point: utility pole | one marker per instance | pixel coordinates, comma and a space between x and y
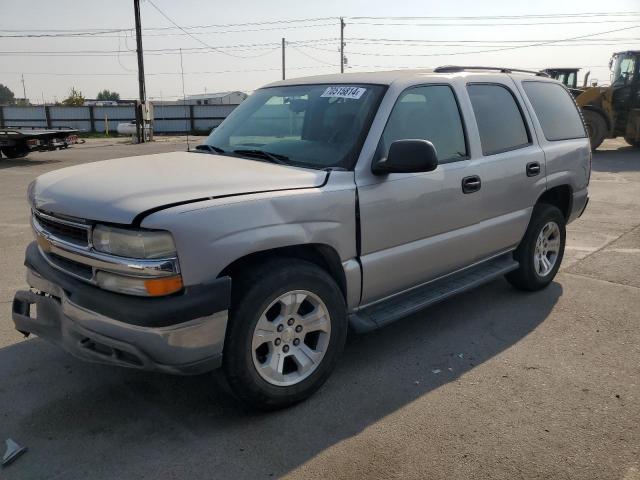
141, 87
341, 45
283, 63
24, 90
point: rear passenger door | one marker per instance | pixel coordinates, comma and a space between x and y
561, 134
510, 164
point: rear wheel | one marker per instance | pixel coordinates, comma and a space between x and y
541, 250
286, 330
12, 152
596, 127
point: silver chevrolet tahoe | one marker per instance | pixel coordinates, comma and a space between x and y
319, 205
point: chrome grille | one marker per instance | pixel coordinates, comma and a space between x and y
62, 229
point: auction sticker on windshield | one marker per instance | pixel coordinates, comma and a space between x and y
344, 92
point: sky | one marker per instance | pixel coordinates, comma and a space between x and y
246, 57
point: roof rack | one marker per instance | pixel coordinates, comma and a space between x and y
458, 68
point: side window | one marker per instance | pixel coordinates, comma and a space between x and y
427, 113
555, 109
499, 118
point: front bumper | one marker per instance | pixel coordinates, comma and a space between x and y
186, 346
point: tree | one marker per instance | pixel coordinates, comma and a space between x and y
107, 95
6, 96
75, 98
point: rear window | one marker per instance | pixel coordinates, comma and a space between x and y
499, 118
555, 109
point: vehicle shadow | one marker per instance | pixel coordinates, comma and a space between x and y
91, 421
23, 162
624, 159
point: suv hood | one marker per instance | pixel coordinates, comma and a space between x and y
120, 189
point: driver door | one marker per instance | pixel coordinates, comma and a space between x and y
418, 226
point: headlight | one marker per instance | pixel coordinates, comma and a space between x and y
133, 243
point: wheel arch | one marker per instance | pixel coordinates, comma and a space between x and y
322, 255
560, 196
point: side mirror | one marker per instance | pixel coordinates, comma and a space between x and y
408, 156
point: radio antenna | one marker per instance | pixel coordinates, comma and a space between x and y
184, 101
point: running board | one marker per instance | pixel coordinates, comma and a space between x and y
404, 304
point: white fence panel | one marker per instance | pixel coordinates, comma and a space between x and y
69, 113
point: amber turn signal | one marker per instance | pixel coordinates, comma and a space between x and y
163, 286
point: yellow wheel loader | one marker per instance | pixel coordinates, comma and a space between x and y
614, 110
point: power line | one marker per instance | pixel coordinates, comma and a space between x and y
291, 23
422, 42
207, 49
118, 56
493, 24
99, 35
514, 47
497, 47
89, 31
495, 17
114, 53
213, 25
314, 58
185, 31
113, 74
79, 34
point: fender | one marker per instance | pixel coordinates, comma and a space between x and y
212, 234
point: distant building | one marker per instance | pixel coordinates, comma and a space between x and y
88, 102
219, 98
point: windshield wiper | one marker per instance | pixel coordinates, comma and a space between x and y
209, 148
272, 157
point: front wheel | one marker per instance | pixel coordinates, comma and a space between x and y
541, 250
286, 329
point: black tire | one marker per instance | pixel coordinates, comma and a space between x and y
253, 292
632, 141
596, 127
526, 277
14, 153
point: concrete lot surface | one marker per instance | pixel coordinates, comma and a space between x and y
495, 383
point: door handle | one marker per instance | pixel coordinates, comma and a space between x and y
533, 169
471, 184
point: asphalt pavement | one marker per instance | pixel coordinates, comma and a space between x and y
494, 383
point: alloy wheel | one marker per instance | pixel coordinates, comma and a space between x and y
291, 338
547, 249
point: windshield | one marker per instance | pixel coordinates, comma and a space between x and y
315, 126
623, 69
568, 78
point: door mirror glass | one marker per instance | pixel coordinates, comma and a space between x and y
408, 156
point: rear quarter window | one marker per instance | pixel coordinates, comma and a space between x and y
555, 109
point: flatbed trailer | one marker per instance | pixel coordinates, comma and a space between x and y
17, 142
